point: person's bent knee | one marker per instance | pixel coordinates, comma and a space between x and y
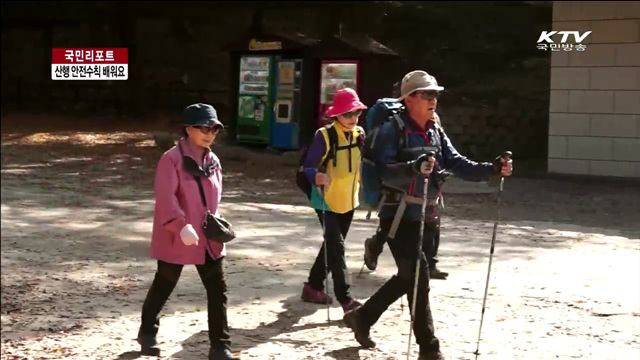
332, 234
432, 226
169, 272
407, 274
406, 271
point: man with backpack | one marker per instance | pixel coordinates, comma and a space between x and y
396, 160
374, 245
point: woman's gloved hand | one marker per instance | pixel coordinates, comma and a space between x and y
188, 235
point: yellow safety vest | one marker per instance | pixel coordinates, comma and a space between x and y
342, 194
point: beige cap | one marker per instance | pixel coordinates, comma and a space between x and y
417, 80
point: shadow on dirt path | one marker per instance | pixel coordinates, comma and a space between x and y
76, 221
276, 331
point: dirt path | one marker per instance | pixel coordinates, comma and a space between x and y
75, 268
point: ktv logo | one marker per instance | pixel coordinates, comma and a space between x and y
546, 41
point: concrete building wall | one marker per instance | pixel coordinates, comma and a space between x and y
594, 111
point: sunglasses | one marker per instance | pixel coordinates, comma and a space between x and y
427, 95
208, 129
351, 114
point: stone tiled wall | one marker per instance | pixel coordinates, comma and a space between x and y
594, 111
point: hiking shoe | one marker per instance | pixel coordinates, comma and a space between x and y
371, 253
437, 274
222, 353
353, 321
350, 305
312, 295
433, 356
148, 345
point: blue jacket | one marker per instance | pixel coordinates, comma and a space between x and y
396, 165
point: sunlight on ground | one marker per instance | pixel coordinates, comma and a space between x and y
74, 138
145, 143
80, 226
18, 171
71, 159
547, 281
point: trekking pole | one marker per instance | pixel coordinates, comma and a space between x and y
361, 270
326, 261
430, 154
506, 156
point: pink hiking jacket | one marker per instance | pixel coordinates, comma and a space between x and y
178, 202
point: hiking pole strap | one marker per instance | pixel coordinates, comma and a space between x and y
396, 219
415, 200
381, 203
402, 206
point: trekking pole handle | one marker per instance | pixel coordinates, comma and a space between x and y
506, 156
430, 155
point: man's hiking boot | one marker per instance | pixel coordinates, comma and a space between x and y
350, 305
437, 274
148, 345
432, 356
371, 253
312, 295
222, 353
353, 321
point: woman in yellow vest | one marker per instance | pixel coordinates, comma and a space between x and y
333, 165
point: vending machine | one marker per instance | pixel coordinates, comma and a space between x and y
287, 110
255, 100
336, 75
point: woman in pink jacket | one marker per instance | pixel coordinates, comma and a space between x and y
178, 237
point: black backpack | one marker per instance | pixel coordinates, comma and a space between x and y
301, 178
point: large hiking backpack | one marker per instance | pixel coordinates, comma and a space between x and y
301, 178
385, 109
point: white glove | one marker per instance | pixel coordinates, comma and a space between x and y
188, 235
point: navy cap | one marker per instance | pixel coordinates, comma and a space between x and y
201, 115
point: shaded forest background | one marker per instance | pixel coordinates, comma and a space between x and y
484, 53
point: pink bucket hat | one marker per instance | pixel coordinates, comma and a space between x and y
344, 101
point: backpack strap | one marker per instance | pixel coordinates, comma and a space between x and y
360, 133
350, 146
436, 119
400, 127
333, 143
332, 134
332, 147
439, 130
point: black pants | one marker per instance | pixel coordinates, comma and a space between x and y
336, 229
431, 238
212, 276
404, 248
